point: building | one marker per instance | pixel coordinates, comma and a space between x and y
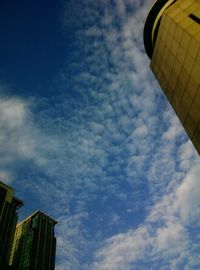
34, 243
8, 220
172, 42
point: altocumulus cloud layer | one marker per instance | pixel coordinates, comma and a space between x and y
106, 156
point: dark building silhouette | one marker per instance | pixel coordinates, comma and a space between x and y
34, 243
8, 220
172, 42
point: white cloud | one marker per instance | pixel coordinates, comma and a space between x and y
188, 198
107, 152
186, 154
6, 177
175, 128
12, 112
139, 123
141, 131
21, 139
163, 236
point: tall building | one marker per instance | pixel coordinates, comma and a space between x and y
8, 220
172, 42
34, 243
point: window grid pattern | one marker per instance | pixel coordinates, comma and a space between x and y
34, 244
176, 63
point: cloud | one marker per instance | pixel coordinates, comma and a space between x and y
106, 155
12, 112
141, 131
21, 138
12, 117
152, 149
188, 196
175, 129
163, 238
6, 177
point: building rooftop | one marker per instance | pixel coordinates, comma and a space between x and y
38, 212
11, 192
152, 24
5, 185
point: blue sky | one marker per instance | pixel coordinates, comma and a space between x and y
88, 136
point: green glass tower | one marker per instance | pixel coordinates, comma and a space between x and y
8, 220
34, 243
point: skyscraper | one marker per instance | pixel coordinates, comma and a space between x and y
34, 243
172, 42
8, 219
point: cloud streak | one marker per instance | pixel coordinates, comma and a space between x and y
164, 235
106, 155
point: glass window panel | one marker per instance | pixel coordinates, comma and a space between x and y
192, 87
181, 54
194, 113
186, 23
178, 34
197, 98
186, 100
185, 3
176, 68
193, 7
185, 41
180, 17
197, 36
197, 12
193, 28
180, 87
196, 72
174, 11
188, 63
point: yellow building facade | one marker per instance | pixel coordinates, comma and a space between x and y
172, 42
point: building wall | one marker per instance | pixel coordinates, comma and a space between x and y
8, 220
34, 244
176, 63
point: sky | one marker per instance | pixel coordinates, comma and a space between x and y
87, 136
